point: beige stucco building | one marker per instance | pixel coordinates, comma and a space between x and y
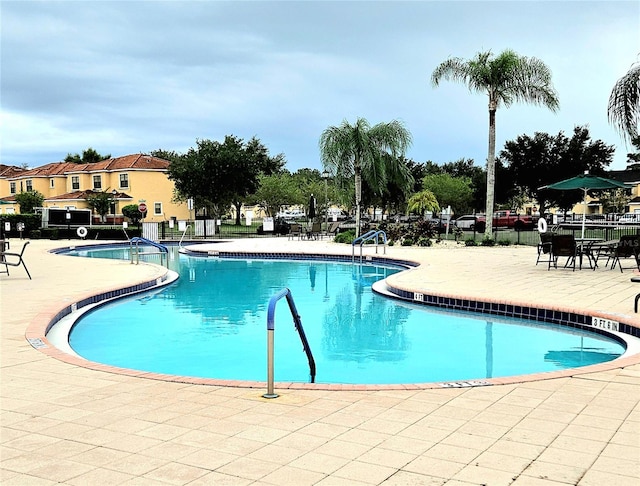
131, 179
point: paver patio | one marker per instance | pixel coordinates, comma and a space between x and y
63, 423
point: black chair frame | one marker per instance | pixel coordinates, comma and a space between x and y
20, 260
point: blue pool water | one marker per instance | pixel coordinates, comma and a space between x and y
212, 323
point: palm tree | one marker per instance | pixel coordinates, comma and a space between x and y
422, 202
624, 103
361, 150
505, 78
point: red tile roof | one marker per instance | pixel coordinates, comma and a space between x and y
128, 162
10, 170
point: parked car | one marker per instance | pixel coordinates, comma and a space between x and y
350, 224
629, 218
403, 218
508, 218
280, 227
471, 222
338, 214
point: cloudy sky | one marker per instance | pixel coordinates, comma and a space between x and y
133, 76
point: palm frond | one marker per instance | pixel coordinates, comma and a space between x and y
624, 104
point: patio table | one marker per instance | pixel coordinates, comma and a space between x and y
598, 248
585, 248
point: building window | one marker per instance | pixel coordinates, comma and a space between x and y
29, 185
75, 183
97, 182
52, 184
12, 187
157, 208
124, 181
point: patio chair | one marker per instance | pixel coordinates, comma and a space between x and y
563, 246
314, 232
627, 247
544, 247
333, 230
295, 230
9, 259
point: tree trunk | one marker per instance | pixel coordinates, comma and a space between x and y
491, 169
358, 183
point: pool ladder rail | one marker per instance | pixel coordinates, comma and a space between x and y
270, 339
187, 228
368, 236
134, 244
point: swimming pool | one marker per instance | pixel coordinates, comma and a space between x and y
212, 323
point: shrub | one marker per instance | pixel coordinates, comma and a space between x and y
488, 242
470, 242
424, 241
504, 242
345, 237
407, 242
35, 234
31, 222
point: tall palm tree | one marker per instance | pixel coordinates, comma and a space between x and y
624, 103
361, 150
505, 78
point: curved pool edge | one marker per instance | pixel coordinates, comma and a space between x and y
39, 327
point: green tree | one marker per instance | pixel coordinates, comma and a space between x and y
275, 191
217, 175
422, 202
169, 155
29, 200
533, 162
624, 103
131, 211
100, 202
363, 151
89, 156
478, 177
505, 78
450, 191
633, 158
614, 201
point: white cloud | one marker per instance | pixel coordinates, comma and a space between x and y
135, 76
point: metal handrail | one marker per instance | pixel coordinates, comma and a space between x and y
138, 239
369, 235
183, 235
270, 337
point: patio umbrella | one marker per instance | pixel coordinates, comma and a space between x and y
585, 182
312, 207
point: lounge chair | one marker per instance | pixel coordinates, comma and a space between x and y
627, 247
563, 246
333, 230
9, 259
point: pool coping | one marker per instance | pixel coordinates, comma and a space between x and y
562, 315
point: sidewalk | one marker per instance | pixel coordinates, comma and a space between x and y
62, 423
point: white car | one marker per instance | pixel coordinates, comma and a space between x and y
468, 222
630, 218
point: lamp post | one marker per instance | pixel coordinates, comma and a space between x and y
325, 176
114, 193
67, 216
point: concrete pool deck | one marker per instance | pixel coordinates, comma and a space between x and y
62, 423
